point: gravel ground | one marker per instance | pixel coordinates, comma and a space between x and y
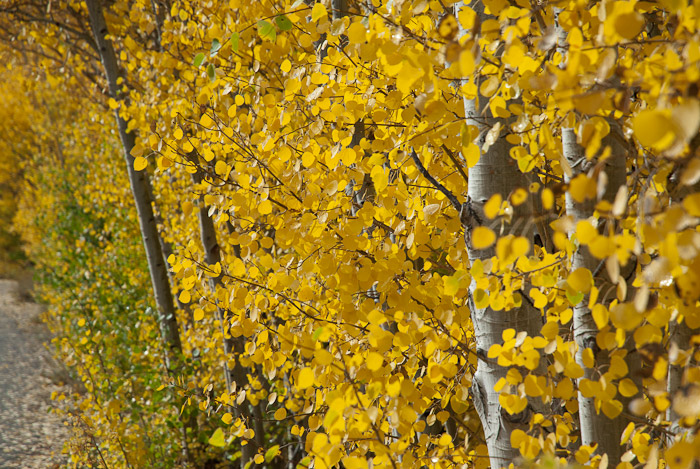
30, 437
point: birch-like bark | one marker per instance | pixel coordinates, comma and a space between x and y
140, 188
496, 173
232, 346
595, 426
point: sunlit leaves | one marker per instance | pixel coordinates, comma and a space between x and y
580, 280
483, 237
305, 378
347, 274
655, 129
140, 163
318, 11
217, 439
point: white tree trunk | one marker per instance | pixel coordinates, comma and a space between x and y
596, 428
140, 187
496, 173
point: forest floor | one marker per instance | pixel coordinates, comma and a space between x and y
30, 436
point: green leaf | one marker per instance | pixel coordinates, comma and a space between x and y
317, 333
235, 38
271, 453
283, 23
211, 72
198, 59
266, 30
217, 439
215, 46
574, 298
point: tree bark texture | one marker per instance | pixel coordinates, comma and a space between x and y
496, 173
140, 187
595, 426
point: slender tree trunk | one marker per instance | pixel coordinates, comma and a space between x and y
496, 173
140, 187
232, 346
596, 427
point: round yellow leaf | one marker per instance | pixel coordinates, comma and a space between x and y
580, 280
286, 66
227, 418
198, 314
629, 25
265, 207
185, 297
627, 387
356, 33
305, 379
220, 168
482, 237
654, 128
374, 361
259, 459
140, 163
281, 413
318, 11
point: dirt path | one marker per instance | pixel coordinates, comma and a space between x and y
30, 437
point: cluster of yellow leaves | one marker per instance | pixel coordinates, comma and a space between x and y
346, 273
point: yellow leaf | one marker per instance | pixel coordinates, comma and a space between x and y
374, 361
217, 439
481, 298
611, 408
286, 65
627, 387
281, 413
356, 33
590, 102
680, 456
198, 314
220, 168
265, 207
580, 280
466, 63
547, 198
140, 163
227, 418
600, 315
471, 154
185, 297
493, 206
588, 358
305, 379
482, 237
691, 204
585, 232
629, 25
407, 77
654, 128
259, 459
582, 187
318, 11
625, 316
518, 197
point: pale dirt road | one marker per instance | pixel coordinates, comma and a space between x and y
30, 437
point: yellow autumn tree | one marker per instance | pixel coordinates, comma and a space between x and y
416, 233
